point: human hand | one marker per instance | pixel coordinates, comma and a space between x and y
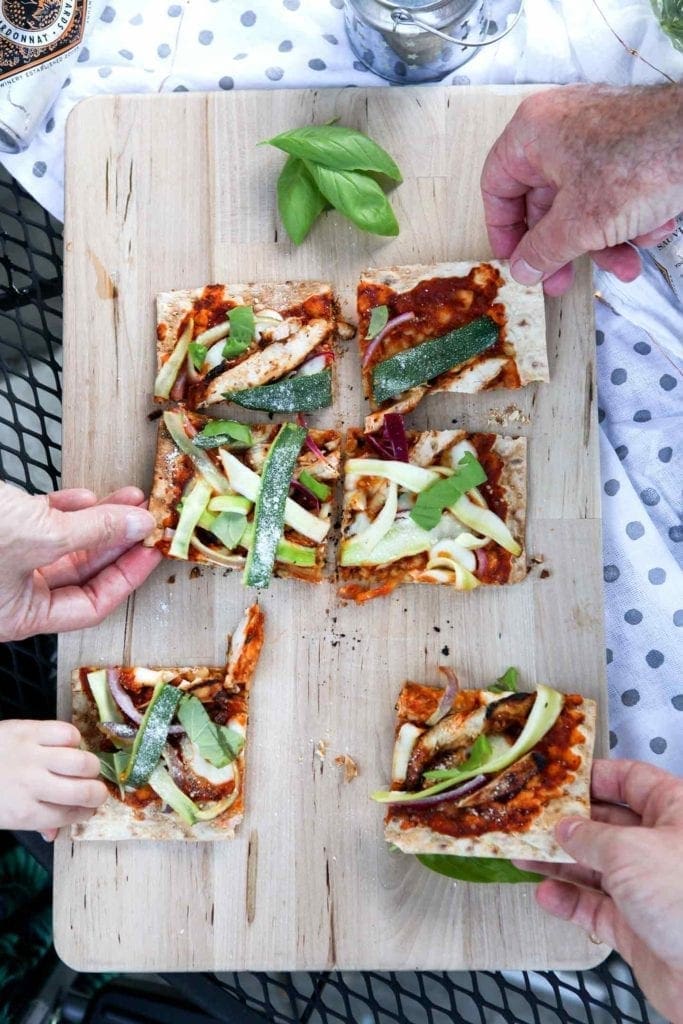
67, 560
47, 781
584, 169
626, 888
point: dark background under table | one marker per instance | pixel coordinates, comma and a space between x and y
30, 457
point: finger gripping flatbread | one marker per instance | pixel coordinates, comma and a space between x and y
509, 813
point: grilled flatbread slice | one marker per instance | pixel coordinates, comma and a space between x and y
302, 549
424, 303
509, 813
294, 332
478, 541
210, 792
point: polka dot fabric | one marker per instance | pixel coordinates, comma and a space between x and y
642, 468
158, 46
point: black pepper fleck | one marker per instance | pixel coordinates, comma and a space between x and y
445, 650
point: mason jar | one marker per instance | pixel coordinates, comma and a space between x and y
419, 40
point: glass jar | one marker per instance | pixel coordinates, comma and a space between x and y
419, 40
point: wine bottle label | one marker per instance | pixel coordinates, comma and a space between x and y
35, 31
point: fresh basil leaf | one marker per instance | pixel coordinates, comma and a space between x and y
431, 502
197, 354
234, 348
229, 527
112, 766
479, 754
108, 768
242, 325
216, 743
342, 149
230, 428
506, 683
379, 317
358, 197
316, 487
299, 200
476, 869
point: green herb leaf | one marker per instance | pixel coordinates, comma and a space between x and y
316, 487
197, 354
479, 754
506, 683
220, 432
242, 330
229, 527
379, 317
476, 869
108, 768
299, 200
337, 147
216, 743
358, 197
426, 511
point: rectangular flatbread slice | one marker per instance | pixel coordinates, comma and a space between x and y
295, 326
424, 303
477, 542
302, 549
509, 813
215, 790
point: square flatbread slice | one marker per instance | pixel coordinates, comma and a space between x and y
427, 302
486, 543
218, 793
296, 325
513, 813
303, 549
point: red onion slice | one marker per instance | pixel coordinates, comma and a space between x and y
447, 697
482, 561
313, 447
402, 318
379, 446
125, 703
395, 433
439, 798
304, 496
179, 388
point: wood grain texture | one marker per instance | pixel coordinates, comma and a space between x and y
177, 196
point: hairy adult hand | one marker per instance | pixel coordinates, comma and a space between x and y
47, 781
626, 887
585, 169
68, 560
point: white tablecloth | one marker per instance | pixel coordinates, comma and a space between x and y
159, 45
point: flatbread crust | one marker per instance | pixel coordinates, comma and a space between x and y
535, 843
309, 306
116, 820
426, 447
172, 470
520, 359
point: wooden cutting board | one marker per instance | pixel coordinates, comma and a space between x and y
171, 192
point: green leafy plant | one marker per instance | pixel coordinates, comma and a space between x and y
670, 14
330, 166
476, 869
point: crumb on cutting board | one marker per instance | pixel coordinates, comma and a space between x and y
348, 764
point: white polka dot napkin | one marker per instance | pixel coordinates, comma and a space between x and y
236, 44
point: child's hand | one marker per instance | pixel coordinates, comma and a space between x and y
47, 781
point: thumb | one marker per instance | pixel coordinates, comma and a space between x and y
591, 843
98, 528
547, 246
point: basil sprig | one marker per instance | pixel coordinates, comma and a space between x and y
217, 744
507, 683
431, 502
333, 166
476, 869
379, 318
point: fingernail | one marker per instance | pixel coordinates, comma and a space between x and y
566, 828
139, 523
524, 273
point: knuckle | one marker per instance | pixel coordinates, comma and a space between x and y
88, 765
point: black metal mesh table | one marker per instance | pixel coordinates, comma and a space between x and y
30, 430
